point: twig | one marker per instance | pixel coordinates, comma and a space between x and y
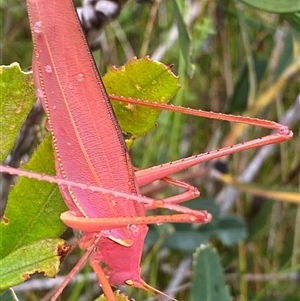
179, 275
49, 283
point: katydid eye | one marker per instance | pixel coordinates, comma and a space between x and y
129, 282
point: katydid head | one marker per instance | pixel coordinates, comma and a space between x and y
122, 262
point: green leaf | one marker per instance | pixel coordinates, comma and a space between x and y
143, 79
278, 6
16, 100
230, 230
186, 241
34, 207
208, 282
40, 256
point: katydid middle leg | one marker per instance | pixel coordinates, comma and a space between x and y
190, 192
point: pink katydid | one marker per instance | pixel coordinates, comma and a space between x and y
110, 212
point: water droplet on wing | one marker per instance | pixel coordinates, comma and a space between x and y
80, 77
37, 27
48, 68
39, 93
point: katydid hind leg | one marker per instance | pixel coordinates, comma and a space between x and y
281, 133
282, 129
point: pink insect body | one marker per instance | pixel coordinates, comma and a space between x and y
95, 174
88, 143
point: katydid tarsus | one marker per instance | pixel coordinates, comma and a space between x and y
94, 171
